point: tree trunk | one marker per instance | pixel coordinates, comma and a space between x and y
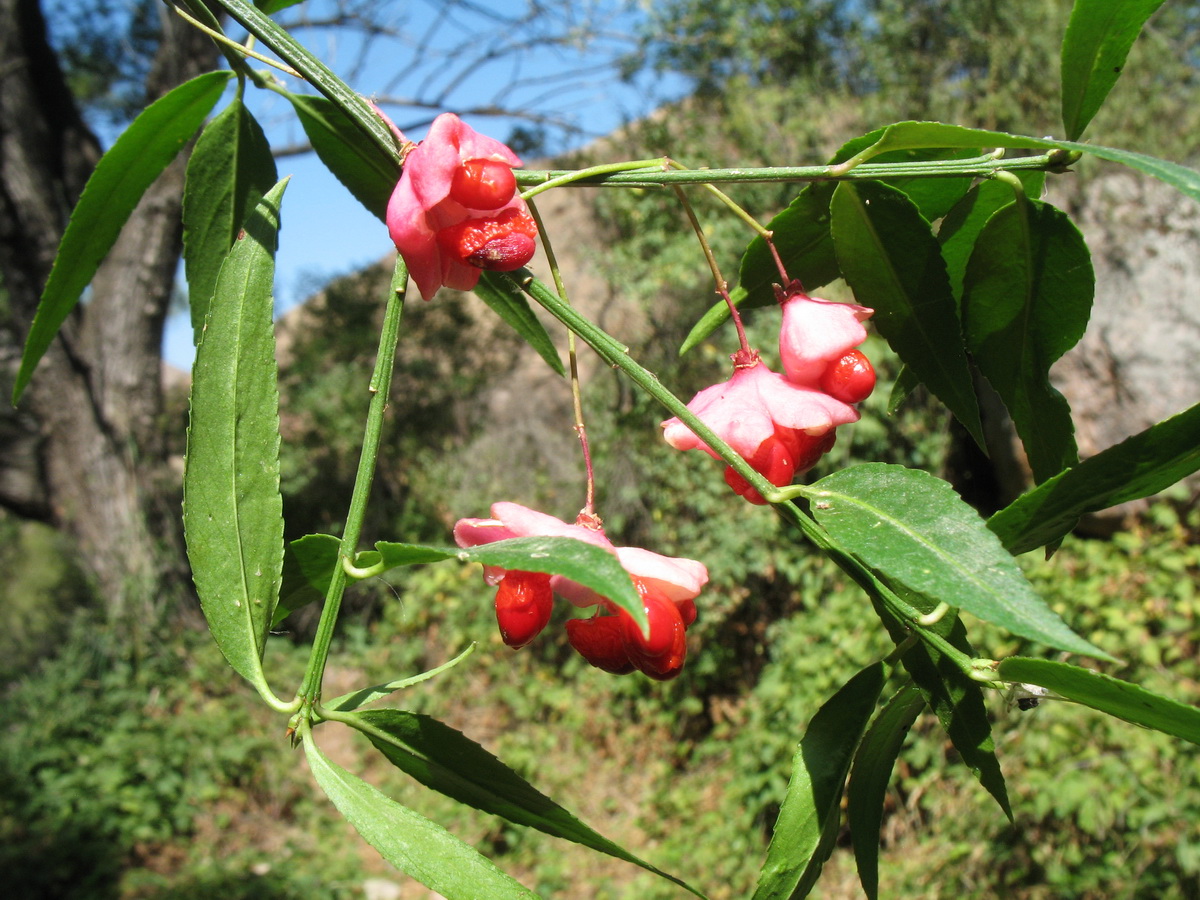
85, 451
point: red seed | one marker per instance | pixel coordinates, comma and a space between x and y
598, 640
850, 378
483, 184
500, 244
524, 601
661, 654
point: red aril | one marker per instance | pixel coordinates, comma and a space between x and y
851, 378
598, 640
523, 604
483, 184
500, 244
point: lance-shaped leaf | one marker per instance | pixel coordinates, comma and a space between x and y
308, 564
906, 135
1103, 692
894, 265
1144, 464
808, 818
112, 192
354, 158
409, 841
352, 700
592, 566
913, 530
230, 169
232, 509
449, 762
1094, 49
1027, 298
509, 302
956, 699
869, 776
960, 229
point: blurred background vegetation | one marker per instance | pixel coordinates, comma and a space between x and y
133, 764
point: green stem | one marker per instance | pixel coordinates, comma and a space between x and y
380, 386
617, 355
314, 71
570, 176
982, 166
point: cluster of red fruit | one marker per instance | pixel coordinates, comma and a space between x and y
456, 211
611, 640
782, 424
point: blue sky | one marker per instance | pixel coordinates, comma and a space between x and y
458, 61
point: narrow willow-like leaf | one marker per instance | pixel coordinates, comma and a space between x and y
893, 263
1144, 464
354, 158
271, 7
409, 841
1027, 298
1122, 699
447, 761
914, 530
808, 819
914, 135
591, 566
353, 700
308, 564
1094, 49
956, 699
230, 169
869, 776
232, 508
960, 229
510, 304
112, 192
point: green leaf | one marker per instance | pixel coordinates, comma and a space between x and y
348, 152
906, 382
308, 564
112, 192
1180, 177
914, 530
808, 819
1027, 298
956, 699
510, 303
592, 566
1144, 464
912, 135
869, 776
893, 263
1111, 695
229, 171
960, 229
361, 697
232, 509
1094, 48
270, 7
447, 761
409, 841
